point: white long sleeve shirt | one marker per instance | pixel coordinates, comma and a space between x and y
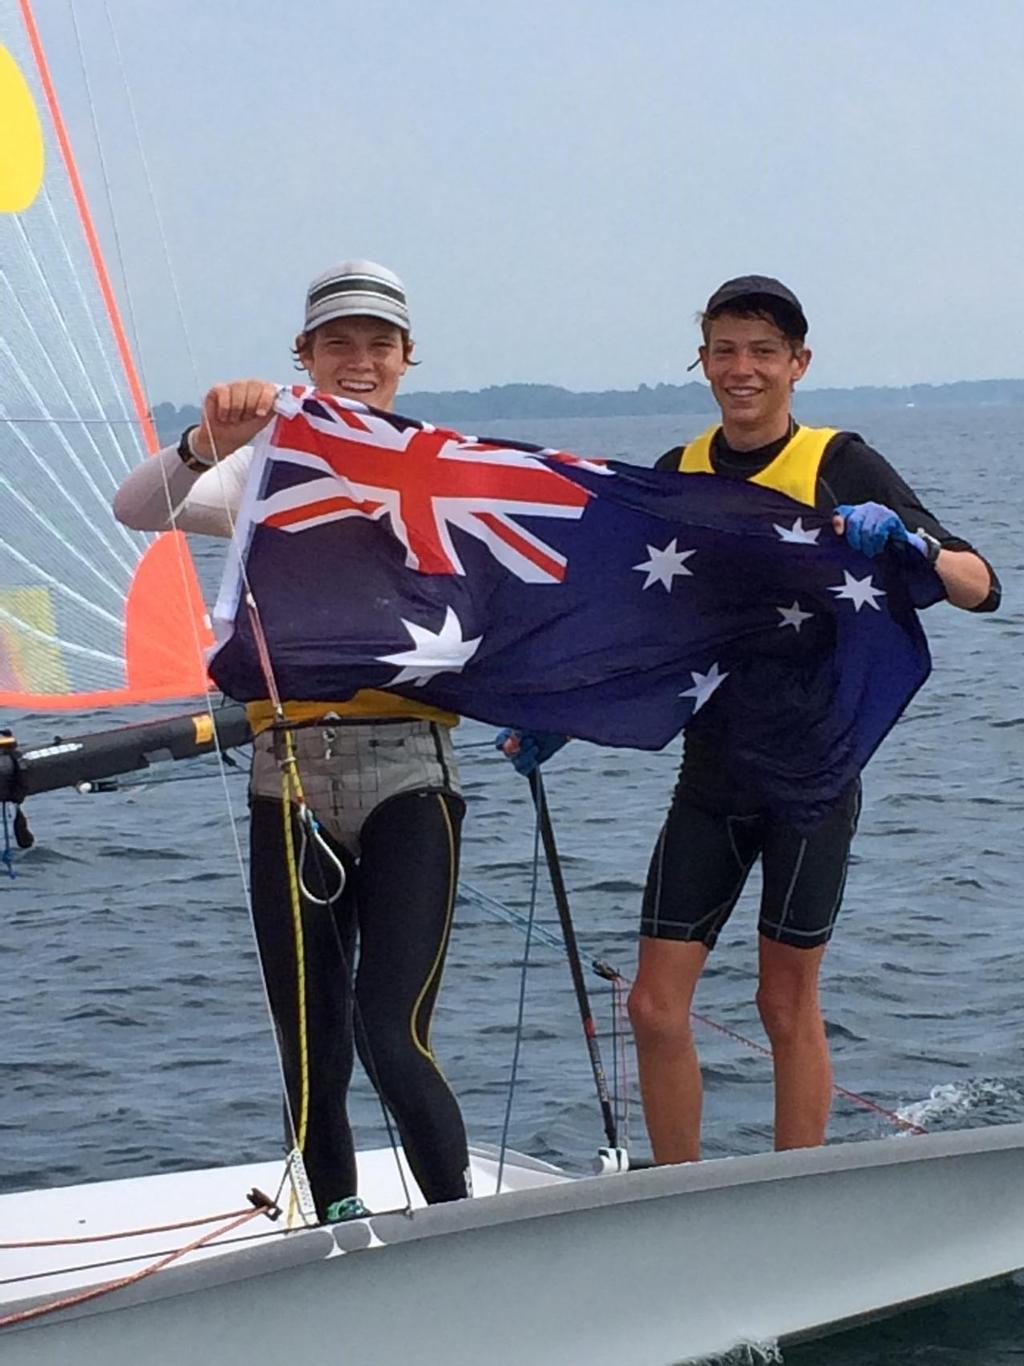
163, 493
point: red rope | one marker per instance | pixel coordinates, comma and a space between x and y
838, 1090
128, 1233
853, 1096
97, 1291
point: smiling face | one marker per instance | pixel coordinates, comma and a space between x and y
361, 358
752, 368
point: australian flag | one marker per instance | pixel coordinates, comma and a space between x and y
528, 586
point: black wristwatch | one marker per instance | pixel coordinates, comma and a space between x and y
931, 546
187, 455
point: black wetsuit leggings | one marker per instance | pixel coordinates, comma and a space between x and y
397, 903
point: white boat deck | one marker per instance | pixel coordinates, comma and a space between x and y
112, 1207
648, 1267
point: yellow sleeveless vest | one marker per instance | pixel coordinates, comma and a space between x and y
794, 470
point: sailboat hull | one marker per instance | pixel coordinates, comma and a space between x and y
646, 1267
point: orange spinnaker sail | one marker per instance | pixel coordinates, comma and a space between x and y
91, 614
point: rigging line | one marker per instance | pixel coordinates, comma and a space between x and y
132, 321
96, 1292
129, 785
616, 979
511, 917
52, 421
144, 419
182, 554
240, 1240
864, 1101
259, 636
47, 354
119, 1236
87, 305
521, 1010
299, 1127
172, 276
15, 493
81, 203
172, 506
573, 954
51, 474
620, 1043
183, 560
371, 1070
98, 1263
151, 190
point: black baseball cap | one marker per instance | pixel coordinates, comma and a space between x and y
750, 287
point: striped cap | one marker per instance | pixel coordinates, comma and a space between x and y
356, 289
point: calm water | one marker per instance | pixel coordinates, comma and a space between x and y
136, 1037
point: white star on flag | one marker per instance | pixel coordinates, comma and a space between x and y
793, 616
858, 591
433, 652
798, 534
663, 565
703, 686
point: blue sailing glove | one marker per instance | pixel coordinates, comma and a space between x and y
870, 527
531, 748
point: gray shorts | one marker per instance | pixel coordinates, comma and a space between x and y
347, 770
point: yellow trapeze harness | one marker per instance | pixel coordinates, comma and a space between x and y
794, 471
370, 704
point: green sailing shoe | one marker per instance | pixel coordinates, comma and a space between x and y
341, 1211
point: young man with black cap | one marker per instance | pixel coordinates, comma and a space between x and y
753, 355
377, 771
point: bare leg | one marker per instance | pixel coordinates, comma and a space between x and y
787, 999
670, 1081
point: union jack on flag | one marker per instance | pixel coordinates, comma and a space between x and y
530, 587
425, 482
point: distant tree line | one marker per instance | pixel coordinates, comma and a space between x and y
461, 407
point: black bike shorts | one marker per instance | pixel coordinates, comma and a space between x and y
704, 854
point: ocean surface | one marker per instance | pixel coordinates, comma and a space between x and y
135, 1033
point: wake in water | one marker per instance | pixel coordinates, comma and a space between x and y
744, 1354
967, 1104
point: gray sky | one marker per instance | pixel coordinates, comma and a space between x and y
561, 184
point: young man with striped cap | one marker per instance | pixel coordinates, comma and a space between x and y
377, 771
753, 354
